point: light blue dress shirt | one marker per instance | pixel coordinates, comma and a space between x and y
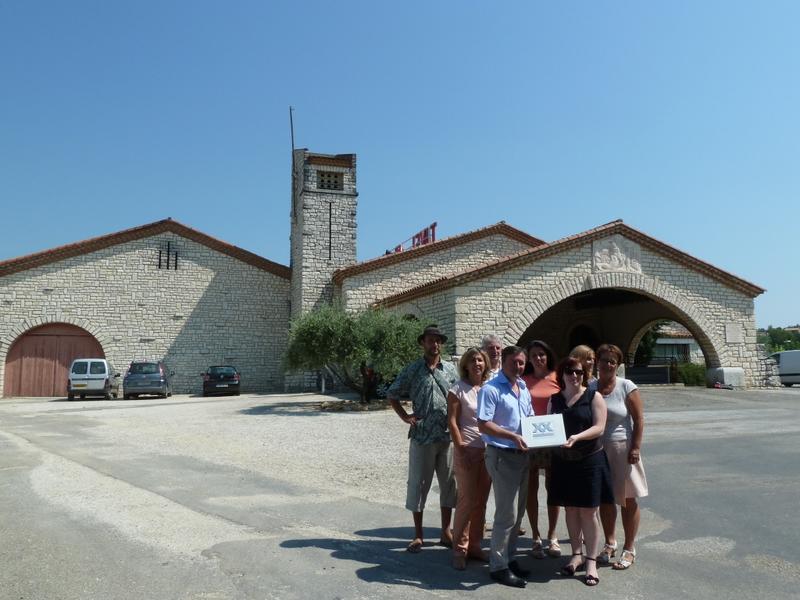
498, 403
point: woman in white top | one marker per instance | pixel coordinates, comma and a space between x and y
472, 478
622, 442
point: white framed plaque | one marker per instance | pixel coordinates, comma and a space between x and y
544, 432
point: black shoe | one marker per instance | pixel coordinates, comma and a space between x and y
506, 577
517, 569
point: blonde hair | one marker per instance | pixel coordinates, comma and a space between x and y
583, 353
466, 358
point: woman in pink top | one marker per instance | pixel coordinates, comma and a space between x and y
540, 377
472, 478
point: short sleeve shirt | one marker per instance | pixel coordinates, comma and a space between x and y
619, 426
541, 390
467, 396
427, 388
498, 403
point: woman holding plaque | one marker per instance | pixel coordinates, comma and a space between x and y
580, 479
540, 377
622, 441
472, 478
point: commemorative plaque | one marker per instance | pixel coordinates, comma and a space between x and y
543, 432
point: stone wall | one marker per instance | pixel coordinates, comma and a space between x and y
720, 317
323, 233
359, 291
213, 309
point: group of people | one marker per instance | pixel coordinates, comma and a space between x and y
466, 428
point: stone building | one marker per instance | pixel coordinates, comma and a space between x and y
170, 292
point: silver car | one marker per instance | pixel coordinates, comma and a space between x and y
92, 377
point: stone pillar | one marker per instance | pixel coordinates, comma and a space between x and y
323, 217
323, 234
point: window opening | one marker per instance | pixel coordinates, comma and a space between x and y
330, 180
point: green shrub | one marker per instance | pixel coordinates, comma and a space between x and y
329, 337
692, 374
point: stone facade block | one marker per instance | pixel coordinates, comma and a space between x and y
213, 309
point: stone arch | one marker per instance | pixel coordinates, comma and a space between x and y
637, 338
16, 331
693, 319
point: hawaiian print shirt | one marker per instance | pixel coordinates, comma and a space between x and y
427, 389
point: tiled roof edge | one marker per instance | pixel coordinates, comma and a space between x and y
379, 262
37, 259
567, 243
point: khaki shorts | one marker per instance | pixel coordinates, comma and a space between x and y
423, 461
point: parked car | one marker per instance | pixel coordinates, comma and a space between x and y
92, 377
147, 377
788, 366
221, 379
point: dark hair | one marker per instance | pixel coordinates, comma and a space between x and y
463, 364
551, 356
570, 363
610, 349
512, 351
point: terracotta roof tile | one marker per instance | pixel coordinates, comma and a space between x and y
390, 259
566, 243
23, 263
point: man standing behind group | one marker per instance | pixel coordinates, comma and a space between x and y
493, 347
502, 404
426, 382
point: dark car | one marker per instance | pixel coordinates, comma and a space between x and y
147, 377
221, 379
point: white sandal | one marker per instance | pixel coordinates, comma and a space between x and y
608, 552
626, 560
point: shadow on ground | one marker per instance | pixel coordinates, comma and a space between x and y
385, 551
286, 409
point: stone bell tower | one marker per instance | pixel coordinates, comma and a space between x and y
323, 216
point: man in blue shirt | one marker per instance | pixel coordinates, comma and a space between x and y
426, 381
502, 404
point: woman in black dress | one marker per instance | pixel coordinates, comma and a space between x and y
580, 479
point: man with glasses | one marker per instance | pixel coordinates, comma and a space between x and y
502, 404
426, 382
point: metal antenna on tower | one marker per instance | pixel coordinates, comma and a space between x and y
291, 133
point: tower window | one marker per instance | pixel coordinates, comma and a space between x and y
329, 180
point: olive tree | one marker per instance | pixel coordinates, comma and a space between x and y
361, 350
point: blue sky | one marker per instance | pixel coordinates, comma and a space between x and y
680, 118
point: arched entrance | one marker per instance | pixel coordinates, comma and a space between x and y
38, 361
605, 309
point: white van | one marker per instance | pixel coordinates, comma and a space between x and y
788, 366
92, 377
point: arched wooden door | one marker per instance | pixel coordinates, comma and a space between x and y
38, 361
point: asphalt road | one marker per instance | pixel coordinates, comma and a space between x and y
267, 497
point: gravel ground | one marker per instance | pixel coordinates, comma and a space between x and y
236, 497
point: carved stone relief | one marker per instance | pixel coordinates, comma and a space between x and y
616, 254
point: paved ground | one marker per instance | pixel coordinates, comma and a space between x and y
266, 497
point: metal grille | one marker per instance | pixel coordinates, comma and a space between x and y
328, 180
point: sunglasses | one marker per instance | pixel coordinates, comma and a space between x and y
573, 371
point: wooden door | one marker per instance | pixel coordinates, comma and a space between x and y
38, 361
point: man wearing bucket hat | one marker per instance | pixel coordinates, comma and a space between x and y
426, 382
